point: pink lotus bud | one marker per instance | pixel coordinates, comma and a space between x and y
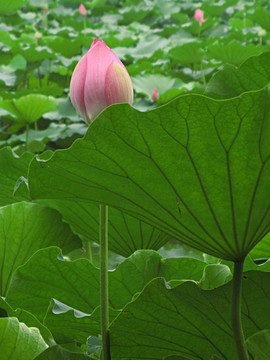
198, 16
155, 95
82, 10
99, 80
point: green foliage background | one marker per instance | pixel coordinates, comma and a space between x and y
187, 182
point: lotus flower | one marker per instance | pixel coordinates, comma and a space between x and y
155, 95
99, 80
82, 10
198, 16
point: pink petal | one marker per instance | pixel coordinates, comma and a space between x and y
82, 9
198, 15
77, 87
99, 58
155, 94
118, 84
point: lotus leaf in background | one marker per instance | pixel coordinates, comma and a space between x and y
128, 279
259, 345
9, 7
229, 82
27, 318
72, 318
188, 321
19, 341
262, 250
59, 353
196, 168
29, 108
126, 233
12, 167
234, 52
24, 229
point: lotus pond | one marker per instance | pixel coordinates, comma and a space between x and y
146, 233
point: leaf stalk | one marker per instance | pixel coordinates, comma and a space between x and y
236, 320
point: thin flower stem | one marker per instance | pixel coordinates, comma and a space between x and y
104, 293
236, 311
84, 26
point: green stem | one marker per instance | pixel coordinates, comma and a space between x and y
84, 25
236, 311
88, 248
39, 78
104, 293
45, 20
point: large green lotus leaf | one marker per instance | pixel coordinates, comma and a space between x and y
196, 168
214, 275
27, 318
10, 6
34, 53
70, 325
229, 82
19, 341
262, 17
234, 52
262, 250
187, 321
135, 13
29, 108
58, 353
5, 309
24, 229
76, 283
18, 62
187, 54
259, 345
126, 233
65, 47
7, 38
215, 9
12, 167
55, 132
146, 47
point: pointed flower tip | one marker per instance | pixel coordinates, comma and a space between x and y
97, 42
198, 16
155, 95
82, 9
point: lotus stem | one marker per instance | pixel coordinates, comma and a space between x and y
236, 311
84, 26
104, 291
